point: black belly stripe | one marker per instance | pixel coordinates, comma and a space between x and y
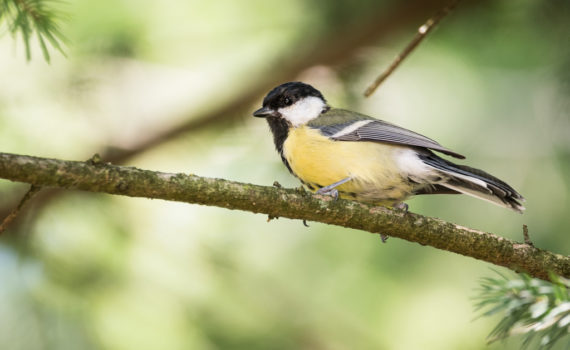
287, 164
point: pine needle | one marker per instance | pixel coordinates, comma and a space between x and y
530, 306
34, 18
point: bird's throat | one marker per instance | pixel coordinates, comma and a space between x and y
280, 129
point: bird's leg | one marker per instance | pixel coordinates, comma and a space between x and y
331, 189
402, 206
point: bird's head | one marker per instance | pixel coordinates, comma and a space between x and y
295, 102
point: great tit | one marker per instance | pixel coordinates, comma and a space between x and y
341, 152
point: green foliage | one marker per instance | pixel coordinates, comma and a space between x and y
34, 17
90, 272
536, 308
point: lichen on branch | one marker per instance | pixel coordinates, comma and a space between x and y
101, 177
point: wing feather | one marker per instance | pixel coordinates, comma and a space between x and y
332, 123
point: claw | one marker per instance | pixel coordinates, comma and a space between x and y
331, 190
402, 206
383, 237
334, 193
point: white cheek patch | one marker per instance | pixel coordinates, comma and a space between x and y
303, 110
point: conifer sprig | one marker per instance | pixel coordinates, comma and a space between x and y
530, 306
39, 18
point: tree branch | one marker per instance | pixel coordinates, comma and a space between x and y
423, 31
277, 202
8, 219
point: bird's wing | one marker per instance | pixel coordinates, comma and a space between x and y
363, 128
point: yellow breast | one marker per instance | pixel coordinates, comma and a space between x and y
319, 161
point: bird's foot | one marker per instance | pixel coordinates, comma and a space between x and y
383, 237
402, 206
331, 189
333, 192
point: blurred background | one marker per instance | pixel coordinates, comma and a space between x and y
171, 86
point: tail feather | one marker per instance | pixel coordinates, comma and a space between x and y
476, 183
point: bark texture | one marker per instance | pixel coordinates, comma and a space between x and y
96, 176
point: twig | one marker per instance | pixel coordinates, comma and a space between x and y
8, 219
287, 203
418, 38
526, 236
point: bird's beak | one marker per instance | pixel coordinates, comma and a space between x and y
265, 112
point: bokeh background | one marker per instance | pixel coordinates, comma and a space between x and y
170, 86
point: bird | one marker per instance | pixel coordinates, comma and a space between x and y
350, 155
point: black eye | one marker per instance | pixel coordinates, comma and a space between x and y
287, 101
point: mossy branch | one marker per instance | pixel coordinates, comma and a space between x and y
278, 202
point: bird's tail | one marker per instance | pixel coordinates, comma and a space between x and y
476, 183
